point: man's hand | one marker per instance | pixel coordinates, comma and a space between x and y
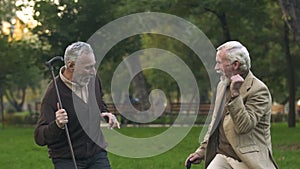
61, 117
112, 120
194, 159
236, 83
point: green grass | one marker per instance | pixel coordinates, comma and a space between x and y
286, 145
18, 149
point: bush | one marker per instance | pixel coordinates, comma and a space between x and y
279, 117
31, 118
13, 118
20, 118
10, 110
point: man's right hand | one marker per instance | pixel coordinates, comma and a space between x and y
61, 117
194, 158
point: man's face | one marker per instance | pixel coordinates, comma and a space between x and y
84, 69
223, 65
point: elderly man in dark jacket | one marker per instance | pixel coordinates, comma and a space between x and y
81, 95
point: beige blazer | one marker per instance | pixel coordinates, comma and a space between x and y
246, 125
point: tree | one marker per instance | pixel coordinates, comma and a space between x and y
291, 12
5, 13
4, 70
257, 24
18, 59
63, 22
83, 19
23, 72
7, 9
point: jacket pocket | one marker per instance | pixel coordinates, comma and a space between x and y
247, 143
249, 149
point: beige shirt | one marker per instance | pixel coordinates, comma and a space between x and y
80, 91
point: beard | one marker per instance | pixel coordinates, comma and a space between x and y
83, 81
223, 77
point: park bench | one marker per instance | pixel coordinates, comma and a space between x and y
170, 114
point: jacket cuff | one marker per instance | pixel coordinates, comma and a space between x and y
201, 152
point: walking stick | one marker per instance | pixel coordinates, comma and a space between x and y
189, 164
50, 66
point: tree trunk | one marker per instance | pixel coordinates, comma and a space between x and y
223, 20
10, 95
291, 12
291, 79
140, 89
225, 28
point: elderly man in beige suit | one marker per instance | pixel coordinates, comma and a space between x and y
238, 136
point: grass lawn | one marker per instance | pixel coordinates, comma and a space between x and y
18, 150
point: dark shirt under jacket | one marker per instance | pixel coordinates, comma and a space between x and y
224, 146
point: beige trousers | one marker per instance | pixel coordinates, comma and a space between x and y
223, 162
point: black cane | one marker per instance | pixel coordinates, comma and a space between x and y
50, 66
188, 164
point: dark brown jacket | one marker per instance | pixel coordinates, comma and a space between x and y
83, 118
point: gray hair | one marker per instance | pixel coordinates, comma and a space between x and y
235, 51
76, 49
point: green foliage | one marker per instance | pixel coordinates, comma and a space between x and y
7, 9
18, 65
20, 118
4, 64
257, 24
19, 70
162, 80
67, 21
22, 62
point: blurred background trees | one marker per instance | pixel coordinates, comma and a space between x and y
19, 58
259, 24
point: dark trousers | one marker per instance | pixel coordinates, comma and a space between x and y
98, 161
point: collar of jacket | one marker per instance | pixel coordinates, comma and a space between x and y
247, 83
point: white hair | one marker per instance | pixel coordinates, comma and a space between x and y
76, 49
235, 51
